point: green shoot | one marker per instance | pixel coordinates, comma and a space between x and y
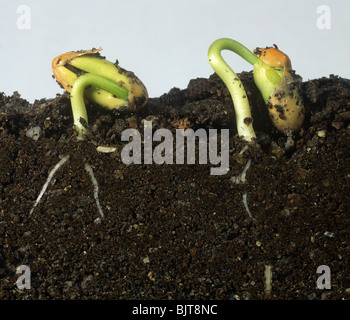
266, 78
77, 97
85, 74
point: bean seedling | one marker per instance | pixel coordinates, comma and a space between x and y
85, 74
274, 78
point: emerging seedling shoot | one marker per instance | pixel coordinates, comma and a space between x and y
273, 77
85, 74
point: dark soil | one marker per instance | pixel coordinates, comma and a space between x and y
175, 231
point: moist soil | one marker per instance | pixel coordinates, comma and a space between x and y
174, 231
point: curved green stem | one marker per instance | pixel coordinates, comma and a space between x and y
240, 101
77, 97
238, 48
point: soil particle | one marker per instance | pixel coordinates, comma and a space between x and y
175, 231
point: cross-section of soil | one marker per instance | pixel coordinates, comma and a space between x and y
174, 231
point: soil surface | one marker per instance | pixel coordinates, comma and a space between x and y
175, 231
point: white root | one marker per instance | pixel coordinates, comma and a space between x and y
51, 174
95, 184
245, 203
244, 149
268, 279
241, 177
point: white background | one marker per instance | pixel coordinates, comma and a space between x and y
165, 42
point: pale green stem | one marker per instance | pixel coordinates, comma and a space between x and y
240, 100
77, 97
95, 65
